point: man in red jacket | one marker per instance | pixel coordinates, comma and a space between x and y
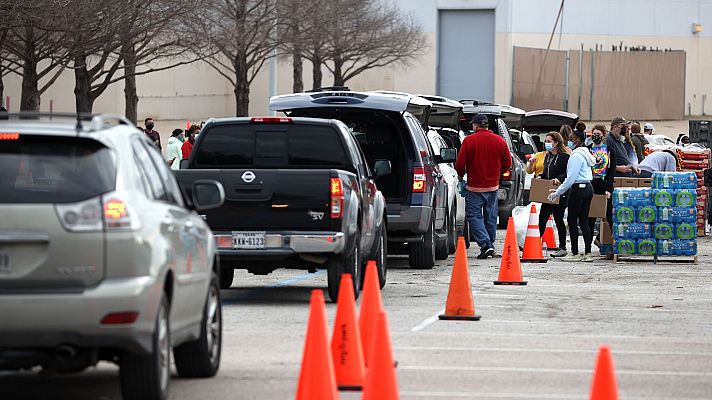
484, 157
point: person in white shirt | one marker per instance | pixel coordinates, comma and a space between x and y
173, 152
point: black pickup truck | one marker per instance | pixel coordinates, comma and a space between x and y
298, 194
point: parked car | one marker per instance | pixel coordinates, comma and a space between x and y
300, 195
523, 141
445, 117
102, 257
385, 126
511, 186
457, 225
660, 140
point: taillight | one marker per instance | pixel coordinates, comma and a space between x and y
84, 216
337, 197
271, 120
418, 180
507, 176
120, 318
9, 136
117, 214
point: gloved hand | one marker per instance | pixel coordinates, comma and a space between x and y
552, 197
461, 187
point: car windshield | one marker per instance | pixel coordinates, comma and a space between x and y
45, 169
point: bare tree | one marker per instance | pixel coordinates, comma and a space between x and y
366, 34
235, 38
299, 34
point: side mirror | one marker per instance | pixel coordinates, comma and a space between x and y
183, 164
381, 167
526, 149
208, 194
447, 155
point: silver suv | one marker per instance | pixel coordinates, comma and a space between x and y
101, 257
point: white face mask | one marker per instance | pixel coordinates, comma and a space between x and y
622, 138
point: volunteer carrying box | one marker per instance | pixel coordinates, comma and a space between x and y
540, 190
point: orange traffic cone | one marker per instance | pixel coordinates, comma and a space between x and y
604, 378
381, 380
371, 305
316, 378
460, 305
532, 244
346, 346
548, 237
510, 269
187, 125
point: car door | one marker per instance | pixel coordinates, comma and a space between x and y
368, 194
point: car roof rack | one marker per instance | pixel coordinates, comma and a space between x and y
329, 89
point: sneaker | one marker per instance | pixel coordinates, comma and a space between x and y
587, 258
573, 258
485, 253
559, 253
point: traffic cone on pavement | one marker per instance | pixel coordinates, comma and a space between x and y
510, 269
316, 378
532, 244
371, 305
381, 380
604, 378
460, 305
548, 237
346, 347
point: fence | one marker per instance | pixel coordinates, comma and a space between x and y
598, 85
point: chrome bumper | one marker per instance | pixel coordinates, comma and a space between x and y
322, 242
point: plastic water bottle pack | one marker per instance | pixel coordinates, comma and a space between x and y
646, 247
677, 247
674, 180
632, 197
676, 215
632, 231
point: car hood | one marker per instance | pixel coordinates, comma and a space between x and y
548, 120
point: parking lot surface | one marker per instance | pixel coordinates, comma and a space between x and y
534, 342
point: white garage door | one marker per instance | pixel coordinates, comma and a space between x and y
466, 54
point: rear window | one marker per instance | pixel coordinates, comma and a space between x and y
271, 146
41, 169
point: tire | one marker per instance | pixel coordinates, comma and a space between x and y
503, 219
345, 263
147, 377
421, 255
452, 233
227, 274
466, 234
442, 250
201, 358
380, 255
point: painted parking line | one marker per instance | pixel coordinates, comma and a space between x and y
425, 323
286, 282
548, 370
482, 395
540, 350
689, 340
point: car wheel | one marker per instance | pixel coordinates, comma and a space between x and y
380, 256
201, 358
147, 377
441, 244
452, 233
227, 274
345, 263
421, 255
503, 219
466, 234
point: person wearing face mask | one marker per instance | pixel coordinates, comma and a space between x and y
603, 171
638, 141
578, 179
153, 135
615, 142
187, 147
555, 161
173, 152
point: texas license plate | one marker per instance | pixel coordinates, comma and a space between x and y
248, 240
5, 266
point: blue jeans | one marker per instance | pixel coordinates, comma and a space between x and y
481, 214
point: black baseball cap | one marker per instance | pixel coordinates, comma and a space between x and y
580, 135
479, 119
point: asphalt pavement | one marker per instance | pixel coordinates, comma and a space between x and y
537, 341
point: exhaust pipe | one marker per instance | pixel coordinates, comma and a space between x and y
64, 352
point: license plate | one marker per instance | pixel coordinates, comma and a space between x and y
248, 240
5, 266
501, 194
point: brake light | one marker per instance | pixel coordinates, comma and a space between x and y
119, 318
507, 176
114, 209
9, 136
418, 180
117, 214
337, 197
271, 120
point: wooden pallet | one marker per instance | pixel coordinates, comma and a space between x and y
638, 258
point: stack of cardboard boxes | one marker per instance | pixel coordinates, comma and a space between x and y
697, 160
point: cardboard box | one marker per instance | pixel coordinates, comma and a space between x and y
599, 205
606, 233
540, 190
625, 182
645, 182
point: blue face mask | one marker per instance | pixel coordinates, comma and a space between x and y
548, 146
571, 145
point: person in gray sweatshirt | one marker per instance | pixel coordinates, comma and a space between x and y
659, 161
578, 179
